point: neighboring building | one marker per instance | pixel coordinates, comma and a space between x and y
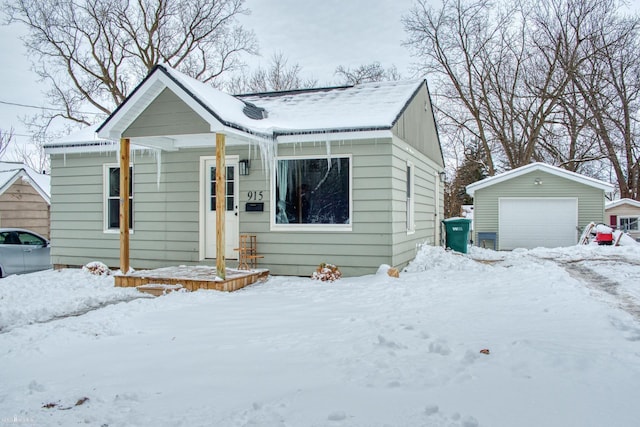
624, 214
346, 175
535, 205
24, 198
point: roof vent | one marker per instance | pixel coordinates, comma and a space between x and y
253, 111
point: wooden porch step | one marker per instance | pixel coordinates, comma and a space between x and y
159, 289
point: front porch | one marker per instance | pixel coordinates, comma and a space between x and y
190, 278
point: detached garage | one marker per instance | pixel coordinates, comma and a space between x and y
536, 205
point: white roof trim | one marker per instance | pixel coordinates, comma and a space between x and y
619, 202
24, 173
9, 182
143, 97
333, 136
573, 176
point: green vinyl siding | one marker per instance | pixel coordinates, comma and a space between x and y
486, 218
166, 213
166, 202
167, 115
417, 127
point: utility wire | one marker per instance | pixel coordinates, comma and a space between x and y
15, 104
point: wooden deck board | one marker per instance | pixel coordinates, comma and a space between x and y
193, 278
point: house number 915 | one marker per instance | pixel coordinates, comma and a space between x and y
255, 195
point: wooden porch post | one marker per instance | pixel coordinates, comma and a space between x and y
125, 179
221, 205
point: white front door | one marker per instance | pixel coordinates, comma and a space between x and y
232, 223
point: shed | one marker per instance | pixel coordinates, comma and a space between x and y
347, 175
24, 198
537, 205
624, 214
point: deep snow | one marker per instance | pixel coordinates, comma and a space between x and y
564, 347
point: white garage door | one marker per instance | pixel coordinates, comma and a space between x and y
535, 222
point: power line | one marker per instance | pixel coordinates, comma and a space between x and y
16, 104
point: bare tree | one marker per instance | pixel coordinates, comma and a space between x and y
490, 78
608, 79
543, 80
373, 72
278, 76
33, 155
93, 52
6, 136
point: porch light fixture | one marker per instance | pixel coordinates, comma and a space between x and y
244, 167
537, 181
443, 176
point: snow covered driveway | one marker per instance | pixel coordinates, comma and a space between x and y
366, 351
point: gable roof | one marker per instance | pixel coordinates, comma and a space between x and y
364, 107
619, 202
10, 172
543, 167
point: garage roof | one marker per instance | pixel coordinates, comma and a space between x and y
619, 202
543, 167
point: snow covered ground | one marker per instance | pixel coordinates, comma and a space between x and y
561, 327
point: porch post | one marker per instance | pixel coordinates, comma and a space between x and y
124, 204
221, 205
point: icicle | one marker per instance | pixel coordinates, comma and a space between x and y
328, 144
64, 158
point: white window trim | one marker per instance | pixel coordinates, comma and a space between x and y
631, 217
105, 197
310, 227
411, 199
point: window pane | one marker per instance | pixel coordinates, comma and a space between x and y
114, 213
308, 191
113, 202
114, 182
30, 239
629, 224
230, 188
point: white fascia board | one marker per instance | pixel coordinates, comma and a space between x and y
91, 148
127, 112
143, 97
9, 182
605, 186
620, 202
333, 136
34, 184
214, 124
25, 175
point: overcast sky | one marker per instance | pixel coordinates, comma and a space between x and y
317, 35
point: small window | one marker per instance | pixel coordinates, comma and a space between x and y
313, 191
411, 226
112, 202
230, 188
628, 223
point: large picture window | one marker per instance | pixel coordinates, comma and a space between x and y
313, 191
112, 202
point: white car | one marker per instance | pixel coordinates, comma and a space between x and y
23, 251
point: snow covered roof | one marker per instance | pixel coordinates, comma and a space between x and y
364, 107
367, 106
10, 172
619, 202
543, 167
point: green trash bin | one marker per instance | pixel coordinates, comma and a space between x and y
457, 230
